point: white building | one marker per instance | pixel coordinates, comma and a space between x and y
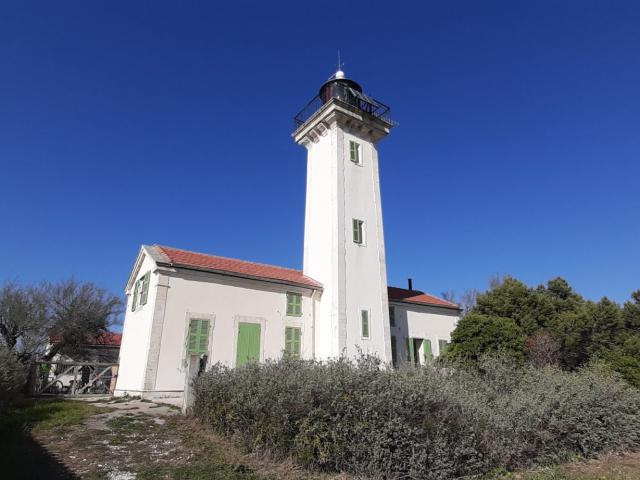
186, 310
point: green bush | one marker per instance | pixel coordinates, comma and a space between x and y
432, 423
13, 376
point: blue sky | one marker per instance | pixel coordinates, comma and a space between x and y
516, 151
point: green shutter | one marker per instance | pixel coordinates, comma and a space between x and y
297, 336
248, 347
145, 288
287, 341
198, 337
394, 351
392, 316
443, 346
134, 302
411, 354
298, 304
428, 352
192, 341
365, 324
292, 342
294, 304
203, 340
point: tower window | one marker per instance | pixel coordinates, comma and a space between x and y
365, 324
294, 304
358, 236
354, 152
392, 316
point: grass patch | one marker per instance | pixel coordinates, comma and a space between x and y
45, 415
130, 423
129, 427
606, 467
208, 470
544, 474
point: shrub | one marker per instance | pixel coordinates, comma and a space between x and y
13, 376
433, 422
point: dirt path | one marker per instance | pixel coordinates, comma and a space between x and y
147, 441
122, 439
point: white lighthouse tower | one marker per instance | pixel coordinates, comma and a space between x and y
344, 236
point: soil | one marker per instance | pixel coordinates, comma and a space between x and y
143, 440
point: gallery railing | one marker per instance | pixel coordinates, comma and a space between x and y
349, 96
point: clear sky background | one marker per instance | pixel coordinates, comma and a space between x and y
516, 151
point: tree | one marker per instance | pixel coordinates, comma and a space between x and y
478, 335
551, 324
466, 301
23, 320
68, 311
543, 348
573, 332
607, 326
631, 313
506, 299
450, 296
625, 359
13, 376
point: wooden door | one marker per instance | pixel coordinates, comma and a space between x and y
248, 349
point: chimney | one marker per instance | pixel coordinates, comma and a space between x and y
410, 282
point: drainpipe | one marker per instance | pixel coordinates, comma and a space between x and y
313, 323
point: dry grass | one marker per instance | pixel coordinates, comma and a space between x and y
195, 433
607, 467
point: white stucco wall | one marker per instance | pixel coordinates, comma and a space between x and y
415, 321
353, 276
365, 265
226, 301
320, 239
136, 332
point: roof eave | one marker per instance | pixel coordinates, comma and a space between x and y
424, 304
241, 275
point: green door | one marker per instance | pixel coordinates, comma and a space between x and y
248, 343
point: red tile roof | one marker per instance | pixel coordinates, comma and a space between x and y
107, 339
211, 263
416, 296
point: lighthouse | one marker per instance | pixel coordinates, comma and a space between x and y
344, 235
187, 310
